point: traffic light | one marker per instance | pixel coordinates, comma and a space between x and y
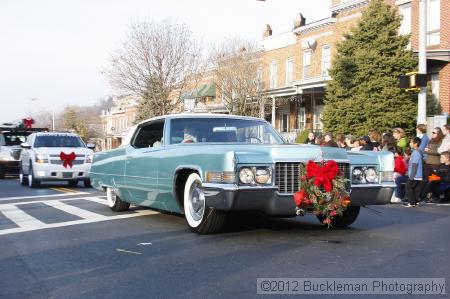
413, 81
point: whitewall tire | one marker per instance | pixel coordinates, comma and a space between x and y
199, 217
114, 201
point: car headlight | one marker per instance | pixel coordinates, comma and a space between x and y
6, 157
364, 175
358, 176
41, 158
371, 175
260, 175
263, 176
246, 175
89, 158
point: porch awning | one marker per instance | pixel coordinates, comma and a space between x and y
204, 90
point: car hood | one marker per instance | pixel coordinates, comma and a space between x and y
11, 150
262, 154
67, 150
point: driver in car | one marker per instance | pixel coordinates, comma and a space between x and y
189, 135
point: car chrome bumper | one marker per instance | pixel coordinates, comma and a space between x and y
46, 173
268, 200
373, 194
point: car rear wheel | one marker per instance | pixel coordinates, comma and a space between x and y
347, 218
114, 201
200, 218
32, 181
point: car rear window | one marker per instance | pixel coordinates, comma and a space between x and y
15, 138
58, 141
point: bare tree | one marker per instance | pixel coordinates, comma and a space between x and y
236, 66
155, 63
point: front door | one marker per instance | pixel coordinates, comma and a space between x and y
142, 162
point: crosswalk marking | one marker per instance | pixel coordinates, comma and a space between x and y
19, 217
40, 196
26, 222
97, 200
57, 204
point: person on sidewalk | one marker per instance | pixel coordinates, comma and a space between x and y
433, 157
441, 175
445, 145
399, 135
415, 174
400, 175
421, 132
311, 138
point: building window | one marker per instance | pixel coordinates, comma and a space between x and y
307, 64
435, 86
289, 71
285, 122
302, 118
433, 22
273, 74
318, 125
405, 12
326, 60
259, 77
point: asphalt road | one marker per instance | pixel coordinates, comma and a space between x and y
60, 242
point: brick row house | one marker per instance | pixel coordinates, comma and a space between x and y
118, 120
295, 63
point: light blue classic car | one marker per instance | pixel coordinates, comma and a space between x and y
203, 165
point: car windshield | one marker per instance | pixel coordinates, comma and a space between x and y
15, 138
224, 130
58, 141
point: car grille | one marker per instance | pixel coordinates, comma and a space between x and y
287, 176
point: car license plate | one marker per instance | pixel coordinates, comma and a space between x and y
67, 175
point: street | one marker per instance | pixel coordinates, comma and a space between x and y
64, 242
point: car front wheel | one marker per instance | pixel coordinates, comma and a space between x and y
114, 201
348, 217
32, 181
22, 177
200, 218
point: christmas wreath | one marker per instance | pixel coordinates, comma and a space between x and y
322, 188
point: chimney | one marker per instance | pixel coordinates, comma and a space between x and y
268, 31
299, 21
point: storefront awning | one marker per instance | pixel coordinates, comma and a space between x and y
204, 90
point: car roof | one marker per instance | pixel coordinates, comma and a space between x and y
56, 133
200, 115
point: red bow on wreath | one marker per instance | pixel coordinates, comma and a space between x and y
28, 122
323, 175
67, 159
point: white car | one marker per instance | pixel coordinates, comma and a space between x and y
55, 156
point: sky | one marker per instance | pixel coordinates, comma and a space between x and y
52, 53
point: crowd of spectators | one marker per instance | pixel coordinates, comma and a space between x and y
421, 164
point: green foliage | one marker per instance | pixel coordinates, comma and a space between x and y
301, 137
364, 92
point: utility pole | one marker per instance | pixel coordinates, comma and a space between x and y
422, 103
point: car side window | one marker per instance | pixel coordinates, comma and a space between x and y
149, 135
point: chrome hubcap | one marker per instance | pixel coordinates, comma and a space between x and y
196, 202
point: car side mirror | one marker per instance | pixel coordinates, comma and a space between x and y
90, 146
25, 145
